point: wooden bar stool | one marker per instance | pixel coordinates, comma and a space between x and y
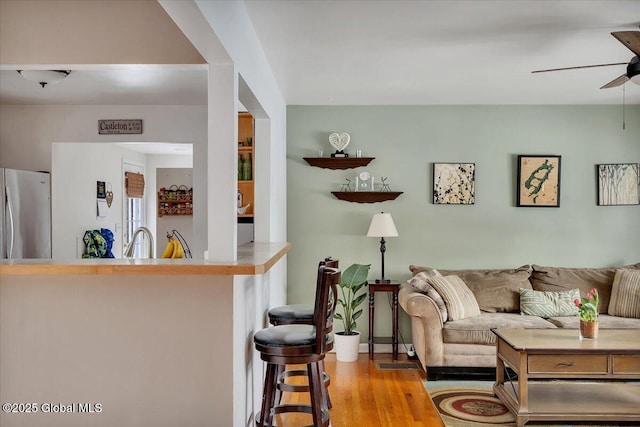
298, 314
300, 344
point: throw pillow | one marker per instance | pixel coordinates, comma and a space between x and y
496, 290
458, 297
419, 281
625, 294
549, 304
585, 279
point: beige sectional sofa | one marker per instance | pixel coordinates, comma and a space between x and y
444, 344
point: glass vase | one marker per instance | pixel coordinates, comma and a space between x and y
588, 329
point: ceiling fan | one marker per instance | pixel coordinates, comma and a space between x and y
631, 39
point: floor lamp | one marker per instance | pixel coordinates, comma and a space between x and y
382, 226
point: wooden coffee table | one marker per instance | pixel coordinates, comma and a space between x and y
561, 378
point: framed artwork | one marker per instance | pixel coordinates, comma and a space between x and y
619, 184
101, 191
538, 181
454, 183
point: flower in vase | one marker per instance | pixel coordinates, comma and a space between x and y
588, 307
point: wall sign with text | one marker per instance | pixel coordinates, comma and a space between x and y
119, 127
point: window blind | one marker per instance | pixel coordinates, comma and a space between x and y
134, 185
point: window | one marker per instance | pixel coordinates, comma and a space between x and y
134, 218
133, 212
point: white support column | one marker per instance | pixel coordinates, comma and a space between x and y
262, 192
222, 155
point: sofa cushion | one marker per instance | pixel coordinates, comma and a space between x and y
495, 290
604, 322
625, 294
459, 299
477, 330
585, 279
420, 283
549, 304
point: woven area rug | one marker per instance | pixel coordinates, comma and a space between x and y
468, 403
471, 404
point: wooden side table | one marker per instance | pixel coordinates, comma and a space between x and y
394, 288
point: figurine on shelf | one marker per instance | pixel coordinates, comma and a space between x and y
385, 186
346, 186
339, 142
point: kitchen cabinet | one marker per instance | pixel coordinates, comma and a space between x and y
246, 151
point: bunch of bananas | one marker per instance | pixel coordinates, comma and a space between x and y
174, 248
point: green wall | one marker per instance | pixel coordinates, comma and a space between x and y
493, 233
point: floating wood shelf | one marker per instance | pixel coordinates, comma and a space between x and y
366, 196
338, 162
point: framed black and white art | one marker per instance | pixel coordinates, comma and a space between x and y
454, 183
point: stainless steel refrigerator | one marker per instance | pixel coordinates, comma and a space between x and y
25, 214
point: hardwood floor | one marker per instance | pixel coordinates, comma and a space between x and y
366, 396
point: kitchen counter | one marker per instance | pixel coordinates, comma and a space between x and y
253, 258
151, 340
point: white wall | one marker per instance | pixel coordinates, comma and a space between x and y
27, 134
166, 177
153, 350
263, 99
75, 169
236, 39
153, 162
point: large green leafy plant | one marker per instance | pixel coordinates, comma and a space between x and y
351, 282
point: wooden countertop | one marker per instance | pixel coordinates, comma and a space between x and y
253, 258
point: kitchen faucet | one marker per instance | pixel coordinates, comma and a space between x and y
129, 252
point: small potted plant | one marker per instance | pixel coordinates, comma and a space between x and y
351, 282
588, 309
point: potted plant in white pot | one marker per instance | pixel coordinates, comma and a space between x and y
351, 282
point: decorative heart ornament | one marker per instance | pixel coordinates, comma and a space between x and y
109, 198
339, 142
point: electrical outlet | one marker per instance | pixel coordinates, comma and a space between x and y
411, 352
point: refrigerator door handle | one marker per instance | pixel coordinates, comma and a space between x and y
11, 227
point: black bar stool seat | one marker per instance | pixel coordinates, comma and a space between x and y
291, 314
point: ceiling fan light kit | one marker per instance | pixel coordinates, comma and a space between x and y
44, 77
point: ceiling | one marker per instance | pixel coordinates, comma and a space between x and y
392, 53
445, 52
112, 85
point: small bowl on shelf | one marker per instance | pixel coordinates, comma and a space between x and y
243, 210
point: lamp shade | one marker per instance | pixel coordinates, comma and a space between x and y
382, 226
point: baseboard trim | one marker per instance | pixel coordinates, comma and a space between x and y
435, 373
381, 348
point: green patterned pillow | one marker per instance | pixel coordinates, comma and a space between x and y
549, 303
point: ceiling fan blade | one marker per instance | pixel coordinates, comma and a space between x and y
616, 82
630, 39
578, 67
